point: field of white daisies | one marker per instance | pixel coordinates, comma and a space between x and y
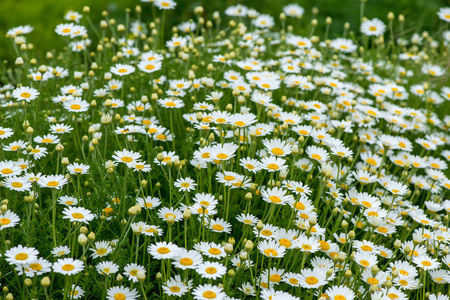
237, 156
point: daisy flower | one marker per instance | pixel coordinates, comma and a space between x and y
177, 42
211, 270
68, 266
101, 249
38, 267
8, 219
76, 292
374, 27
21, 255
148, 202
250, 164
25, 29
122, 70
207, 292
126, 156
68, 200
185, 184
15, 183
220, 225
277, 147
77, 168
61, 128
365, 259
340, 292
5, 132
187, 259
311, 279
25, 93
170, 103
444, 14
175, 287
317, 154
275, 195
131, 271
273, 164
165, 4
107, 268
270, 248
78, 214
425, 262
163, 250
166, 212
122, 293
60, 251
76, 105
211, 250
166, 157
53, 181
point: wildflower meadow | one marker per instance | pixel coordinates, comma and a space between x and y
237, 155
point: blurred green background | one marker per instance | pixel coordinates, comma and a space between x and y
44, 15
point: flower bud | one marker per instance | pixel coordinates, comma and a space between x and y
228, 248
82, 239
45, 282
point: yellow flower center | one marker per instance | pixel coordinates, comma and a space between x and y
311, 280
78, 216
186, 261
211, 270
21, 256
120, 296
4, 221
218, 227
209, 295
275, 199
75, 106
163, 250
126, 159
277, 151
270, 252
68, 267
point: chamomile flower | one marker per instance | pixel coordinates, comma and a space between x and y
126, 156
148, 202
185, 184
8, 219
311, 279
122, 293
78, 214
122, 70
211, 270
76, 105
163, 250
187, 259
271, 249
53, 181
21, 255
60, 251
77, 168
340, 292
275, 196
175, 287
374, 27
25, 93
207, 292
220, 225
101, 249
68, 266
